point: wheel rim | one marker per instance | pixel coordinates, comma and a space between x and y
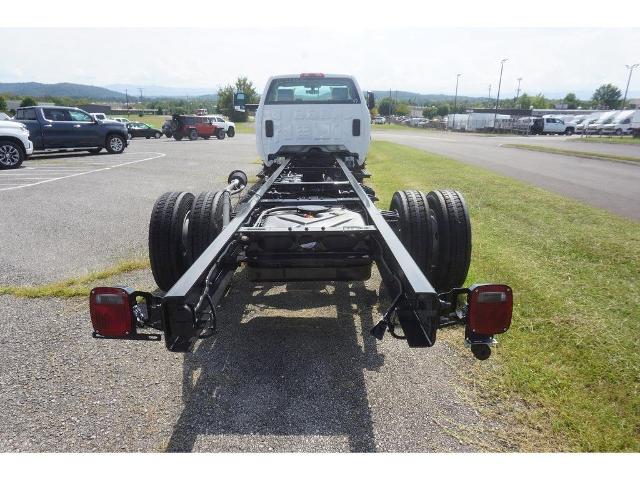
157, 135
9, 155
116, 144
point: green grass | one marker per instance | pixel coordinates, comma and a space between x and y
245, 127
573, 153
622, 140
571, 359
75, 287
393, 127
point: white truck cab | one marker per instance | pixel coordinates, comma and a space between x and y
302, 112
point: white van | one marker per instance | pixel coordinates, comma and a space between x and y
619, 125
312, 111
635, 123
595, 128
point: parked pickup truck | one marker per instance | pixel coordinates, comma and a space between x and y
68, 128
15, 145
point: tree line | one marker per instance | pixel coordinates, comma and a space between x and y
607, 96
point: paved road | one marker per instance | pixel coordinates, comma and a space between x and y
613, 186
293, 367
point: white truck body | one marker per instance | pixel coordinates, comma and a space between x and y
300, 112
15, 145
18, 132
221, 122
635, 123
619, 125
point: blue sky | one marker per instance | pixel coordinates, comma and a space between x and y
553, 61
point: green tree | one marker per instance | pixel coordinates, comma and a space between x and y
3, 104
443, 109
225, 98
402, 108
386, 106
571, 101
28, 102
607, 96
430, 112
539, 101
524, 101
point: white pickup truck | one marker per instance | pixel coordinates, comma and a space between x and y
221, 122
15, 145
298, 113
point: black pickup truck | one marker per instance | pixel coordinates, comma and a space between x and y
62, 128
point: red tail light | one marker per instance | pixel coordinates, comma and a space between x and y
111, 313
490, 309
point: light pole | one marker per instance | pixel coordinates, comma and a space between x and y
489, 94
455, 102
518, 91
495, 116
630, 68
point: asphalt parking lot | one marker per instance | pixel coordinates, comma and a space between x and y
292, 368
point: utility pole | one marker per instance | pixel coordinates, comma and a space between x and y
495, 116
455, 102
390, 107
630, 68
518, 92
489, 92
126, 96
140, 94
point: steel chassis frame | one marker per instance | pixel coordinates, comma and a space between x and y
188, 310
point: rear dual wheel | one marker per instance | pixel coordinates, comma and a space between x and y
181, 228
168, 252
436, 231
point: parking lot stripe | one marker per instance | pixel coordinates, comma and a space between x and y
109, 167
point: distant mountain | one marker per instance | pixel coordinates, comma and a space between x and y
72, 90
421, 98
160, 91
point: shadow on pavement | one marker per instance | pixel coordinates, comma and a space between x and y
292, 373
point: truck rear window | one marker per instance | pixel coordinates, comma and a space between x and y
285, 91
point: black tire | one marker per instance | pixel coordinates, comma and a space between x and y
206, 137
619, 132
11, 155
415, 227
193, 134
157, 135
168, 253
95, 151
116, 143
231, 132
452, 252
220, 134
177, 137
211, 212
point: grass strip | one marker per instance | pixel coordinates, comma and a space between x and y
75, 287
618, 140
573, 153
572, 355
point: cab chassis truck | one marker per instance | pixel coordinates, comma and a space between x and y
309, 216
